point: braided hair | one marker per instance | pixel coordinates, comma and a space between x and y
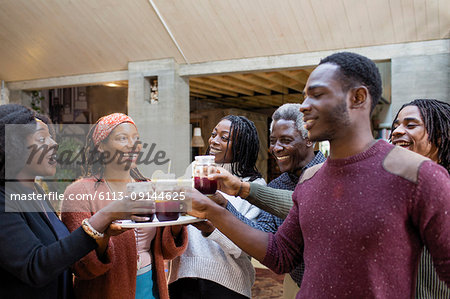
436, 117
244, 147
14, 114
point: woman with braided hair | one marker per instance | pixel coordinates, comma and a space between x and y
130, 265
212, 266
243, 154
423, 126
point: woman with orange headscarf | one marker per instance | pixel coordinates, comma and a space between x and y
36, 249
129, 265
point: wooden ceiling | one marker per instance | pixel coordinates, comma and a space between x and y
251, 90
53, 38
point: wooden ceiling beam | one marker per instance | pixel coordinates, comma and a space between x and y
281, 80
293, 77
226, 86
243, 84
272, 84
261, 81
255, 103
296, 84
245, 103
221, 102
204, 92
278, 78
297, 87
276, 100
227, 89
234, 102
197, 95
252, 102
272, 101
293, 98
262, 101
212, 88
300, 75
251, 79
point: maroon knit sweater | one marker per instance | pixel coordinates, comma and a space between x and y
364, 221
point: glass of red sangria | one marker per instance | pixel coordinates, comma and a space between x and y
167, 205
204, 166
167, 210
141, 190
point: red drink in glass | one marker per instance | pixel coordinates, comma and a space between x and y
205, 185
166, 210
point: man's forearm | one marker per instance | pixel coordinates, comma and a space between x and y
277, 202
254, 242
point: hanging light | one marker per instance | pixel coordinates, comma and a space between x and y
197, 140
112, 84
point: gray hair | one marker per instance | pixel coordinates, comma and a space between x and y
290, 112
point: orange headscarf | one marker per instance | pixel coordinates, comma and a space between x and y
107, 123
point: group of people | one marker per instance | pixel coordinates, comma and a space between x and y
360, 220
39, 252
370, 221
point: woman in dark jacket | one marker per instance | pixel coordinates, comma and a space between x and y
36, 249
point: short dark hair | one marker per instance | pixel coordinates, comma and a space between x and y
357, 69
436, 117
14, 114
245, 147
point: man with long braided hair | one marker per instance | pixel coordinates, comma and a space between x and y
434, 123
423, 126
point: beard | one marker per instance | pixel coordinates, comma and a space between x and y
333, 122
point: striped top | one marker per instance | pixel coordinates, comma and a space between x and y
362, 233
429, 286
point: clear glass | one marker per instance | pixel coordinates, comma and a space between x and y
204, 166
140, 190
166, 210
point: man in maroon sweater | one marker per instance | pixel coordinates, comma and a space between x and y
360, 219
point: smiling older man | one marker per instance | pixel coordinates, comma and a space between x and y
294, 153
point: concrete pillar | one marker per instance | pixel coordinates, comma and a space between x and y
424, 76
4, 94
19, 97
166, 122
